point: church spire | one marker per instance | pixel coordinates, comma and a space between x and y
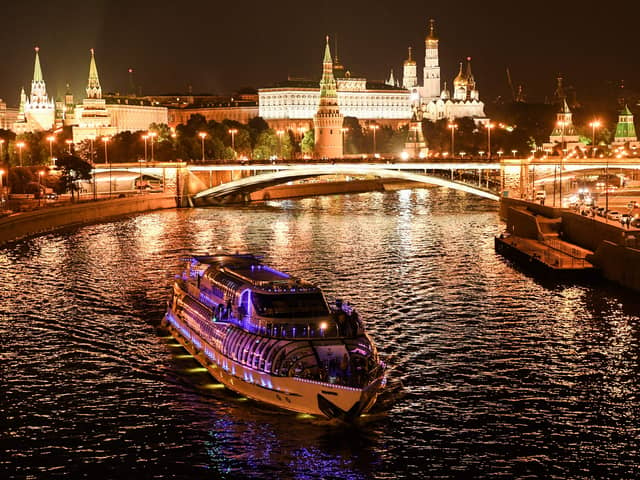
93, 86
37, 70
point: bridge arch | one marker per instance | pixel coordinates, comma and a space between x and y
259, 181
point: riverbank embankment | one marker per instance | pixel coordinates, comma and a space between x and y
24, 224
615, 250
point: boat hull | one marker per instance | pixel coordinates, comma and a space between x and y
291, 393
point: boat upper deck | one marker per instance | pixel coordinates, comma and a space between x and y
249, 269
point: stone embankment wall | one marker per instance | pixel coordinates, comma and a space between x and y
617, 250
619, 264
25, 224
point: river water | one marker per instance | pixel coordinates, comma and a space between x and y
504, 375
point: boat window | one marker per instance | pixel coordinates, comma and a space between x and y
290, 305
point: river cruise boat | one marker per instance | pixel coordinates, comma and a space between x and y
274, 338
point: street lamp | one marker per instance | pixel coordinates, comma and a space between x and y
145, 138
51, 139
20, 146
202, 137
452, 127
374, 128
152, 135
69, 143
105, 140
232, 132
489, 128
280, 134
595, 124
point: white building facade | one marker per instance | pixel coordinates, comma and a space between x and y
356, 98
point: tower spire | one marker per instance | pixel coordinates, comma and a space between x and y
37, 70
93, 86
328, 120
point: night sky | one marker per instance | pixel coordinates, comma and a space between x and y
222, 46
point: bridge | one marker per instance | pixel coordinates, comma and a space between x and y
257, 177
206, 184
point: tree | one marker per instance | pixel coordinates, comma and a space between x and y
73, 169
308, 142
354, 139
266, 145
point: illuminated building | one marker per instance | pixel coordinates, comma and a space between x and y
431, 74
37, 111
8, 116
564, 134
625, 130
293, 103
437, 103
410, 73
328, 121
92, 118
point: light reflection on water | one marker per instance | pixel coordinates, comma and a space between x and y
504, 374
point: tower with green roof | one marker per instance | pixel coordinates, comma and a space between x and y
625, 129
328, 119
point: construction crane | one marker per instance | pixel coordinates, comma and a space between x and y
513, 93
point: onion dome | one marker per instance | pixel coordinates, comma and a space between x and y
409, 61
460, 80
432, 31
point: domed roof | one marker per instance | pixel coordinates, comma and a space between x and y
409, 61
460, 79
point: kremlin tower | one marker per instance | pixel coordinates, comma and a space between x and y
39, 110
328, 120
92, 117
625, 130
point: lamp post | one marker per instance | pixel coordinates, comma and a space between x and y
452, 127
152, 135
280, 134
344, 131
105, 140
562, 125
232, 132
140, 181
69, 143
20, 146
40, 174
595, 124
145, 138
1, 188
489, 128
374, 128
92, 139
51, 139
1, 147
202, 136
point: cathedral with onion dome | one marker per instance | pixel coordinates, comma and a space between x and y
435, 102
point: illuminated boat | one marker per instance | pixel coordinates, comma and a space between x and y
274, 338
